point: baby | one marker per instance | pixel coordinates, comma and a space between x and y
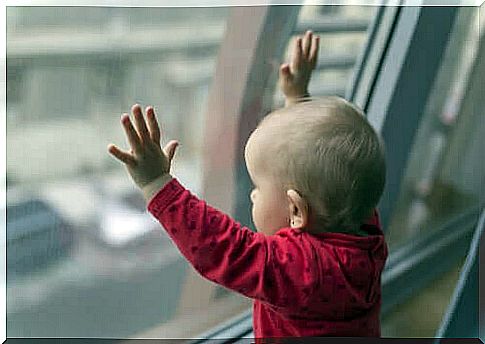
314, 265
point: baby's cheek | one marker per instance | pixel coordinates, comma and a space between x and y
259, 217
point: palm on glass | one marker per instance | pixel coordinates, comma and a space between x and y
146, 160
295, 76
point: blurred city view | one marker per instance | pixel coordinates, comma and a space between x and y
82, 251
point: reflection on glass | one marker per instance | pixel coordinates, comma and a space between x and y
85, 259
445, 173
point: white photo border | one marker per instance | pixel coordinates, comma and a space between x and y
142, 3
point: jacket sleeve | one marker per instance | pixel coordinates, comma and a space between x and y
268, 268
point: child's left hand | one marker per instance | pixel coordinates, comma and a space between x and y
146, 160
295, 76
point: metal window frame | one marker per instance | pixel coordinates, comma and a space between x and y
365, 73
402, 86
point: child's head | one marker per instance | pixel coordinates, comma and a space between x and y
317, 165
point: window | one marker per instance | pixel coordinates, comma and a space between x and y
82, 251
92, 64
431, 224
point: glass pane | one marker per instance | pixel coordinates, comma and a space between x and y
445, 173
421, 315
82, 250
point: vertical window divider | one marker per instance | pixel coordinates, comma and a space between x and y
253, 43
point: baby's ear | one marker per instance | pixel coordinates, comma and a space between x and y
298, 209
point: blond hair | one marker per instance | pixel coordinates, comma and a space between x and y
327, 151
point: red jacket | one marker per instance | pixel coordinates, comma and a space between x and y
302, 285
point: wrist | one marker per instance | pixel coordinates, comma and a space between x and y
152, 188
290, 100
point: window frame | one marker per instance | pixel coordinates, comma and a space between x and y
389, 108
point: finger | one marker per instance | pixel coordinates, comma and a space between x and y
307, 40
140, 123
170, 148
285, 73
153, 125
313, 58
131, 133
124, 157
297, 55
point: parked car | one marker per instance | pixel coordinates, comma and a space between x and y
37, 235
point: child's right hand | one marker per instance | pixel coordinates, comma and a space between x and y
295, 76
146, 161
